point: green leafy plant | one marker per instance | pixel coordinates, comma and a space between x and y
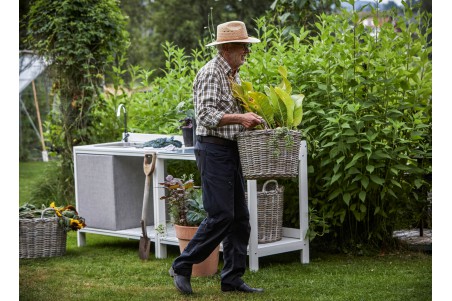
184, 200
277, 106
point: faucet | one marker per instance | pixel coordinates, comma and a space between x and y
118, 113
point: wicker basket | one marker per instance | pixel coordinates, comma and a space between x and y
264, 154
269, 212
41, 237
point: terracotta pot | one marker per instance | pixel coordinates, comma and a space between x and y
209, 266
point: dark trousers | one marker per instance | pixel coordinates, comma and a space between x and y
223, 193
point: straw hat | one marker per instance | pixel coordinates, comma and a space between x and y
233, 32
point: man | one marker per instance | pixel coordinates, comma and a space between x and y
219, 118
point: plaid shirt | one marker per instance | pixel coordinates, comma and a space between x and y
213, 98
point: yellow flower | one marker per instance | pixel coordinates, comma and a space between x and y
76, 224
65, 215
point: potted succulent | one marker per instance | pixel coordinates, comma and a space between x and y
279, 139
186, 211
187, 128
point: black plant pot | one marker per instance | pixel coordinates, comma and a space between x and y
187, 134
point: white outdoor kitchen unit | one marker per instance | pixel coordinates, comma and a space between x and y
109, 186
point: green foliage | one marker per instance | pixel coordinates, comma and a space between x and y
277, 106
184, 200
291, 15
193, 21
156, 105
367, 120
196, 213
368, 123
79, 38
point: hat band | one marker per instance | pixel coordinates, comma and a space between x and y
230, 36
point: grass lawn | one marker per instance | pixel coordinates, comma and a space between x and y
109, 268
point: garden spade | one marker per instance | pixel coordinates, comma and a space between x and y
148, 167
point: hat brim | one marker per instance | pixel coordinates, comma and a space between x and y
249, 40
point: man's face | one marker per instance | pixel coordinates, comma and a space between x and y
237, 54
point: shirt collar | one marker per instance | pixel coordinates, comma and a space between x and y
224, 66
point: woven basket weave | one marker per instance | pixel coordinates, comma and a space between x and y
270, 205
259, 154
41, 237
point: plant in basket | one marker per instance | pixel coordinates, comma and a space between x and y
42, 232
280, 139
67, 216
278, 107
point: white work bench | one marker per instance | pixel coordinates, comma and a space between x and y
293, 238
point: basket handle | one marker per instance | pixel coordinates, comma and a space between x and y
270, 181
43, 211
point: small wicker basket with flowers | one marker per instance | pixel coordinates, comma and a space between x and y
42, 232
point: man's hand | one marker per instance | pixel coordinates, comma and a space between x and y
248, 120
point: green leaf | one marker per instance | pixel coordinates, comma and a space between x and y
350, 164
335, 193
298, 111
391, 192
365, 182
342, 215
377, 180
402, 167
363, 208
377, 209
285, 84
370, 168
418, 183
336, 177
261, 103
353, 170
346, 197
396, 183
289, 103
362, 195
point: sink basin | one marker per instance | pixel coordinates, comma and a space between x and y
121, 144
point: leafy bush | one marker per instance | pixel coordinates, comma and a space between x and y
367, 119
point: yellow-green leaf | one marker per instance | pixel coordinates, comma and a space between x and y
264, 108
298, 110
289, 103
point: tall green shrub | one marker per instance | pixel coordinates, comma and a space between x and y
79, 38
367, 119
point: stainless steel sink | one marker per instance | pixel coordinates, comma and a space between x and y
121, 144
